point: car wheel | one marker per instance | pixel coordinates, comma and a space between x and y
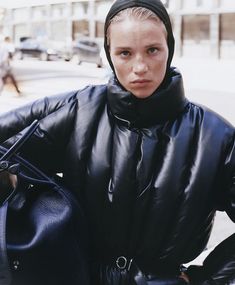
44, 56
100, 64
67, 58
75, 59
79, 60
19, 55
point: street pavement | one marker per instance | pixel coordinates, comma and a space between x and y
211, 83
207, 82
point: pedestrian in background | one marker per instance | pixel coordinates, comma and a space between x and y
6, 73
149, 167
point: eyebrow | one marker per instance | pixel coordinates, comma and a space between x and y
123, 47
154, 44
147, 46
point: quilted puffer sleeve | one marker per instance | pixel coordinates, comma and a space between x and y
219, 266
17, 119
46, 146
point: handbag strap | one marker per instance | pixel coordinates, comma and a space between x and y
18, 144
5, 273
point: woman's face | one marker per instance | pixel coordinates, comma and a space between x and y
139, 53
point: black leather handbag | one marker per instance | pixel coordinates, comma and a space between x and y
42, 227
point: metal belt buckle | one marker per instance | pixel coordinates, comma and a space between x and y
123, 263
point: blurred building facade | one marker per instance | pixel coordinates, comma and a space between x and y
203, 28
57, 20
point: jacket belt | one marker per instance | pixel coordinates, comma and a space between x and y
129, 266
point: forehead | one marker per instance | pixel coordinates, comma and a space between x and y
140, 13
135, 29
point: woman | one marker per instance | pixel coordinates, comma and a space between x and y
149, 167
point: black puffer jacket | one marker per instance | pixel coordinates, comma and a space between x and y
149, 173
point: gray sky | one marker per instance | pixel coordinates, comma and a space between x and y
7, 3
20, 3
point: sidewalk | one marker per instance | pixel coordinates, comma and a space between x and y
211, 83
207, 74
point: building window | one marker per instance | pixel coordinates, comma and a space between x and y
101, 9
38, 29
58, 30
79, 9
196, 27
20, 30
21, 14
199, 3
85, 7
99, 29
227, 30
59, 10
80, 29
39, 13
2, 15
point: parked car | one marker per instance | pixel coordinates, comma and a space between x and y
86, 50
29, 46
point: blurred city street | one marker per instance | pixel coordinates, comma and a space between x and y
208, 82
37, 79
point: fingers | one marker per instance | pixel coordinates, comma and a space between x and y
185, 277
7, 184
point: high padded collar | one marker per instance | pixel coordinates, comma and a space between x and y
161, 106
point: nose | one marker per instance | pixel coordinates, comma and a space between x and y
139, 65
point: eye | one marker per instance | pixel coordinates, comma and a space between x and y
152, 50
125, 53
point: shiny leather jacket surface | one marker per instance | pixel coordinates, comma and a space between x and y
150, 174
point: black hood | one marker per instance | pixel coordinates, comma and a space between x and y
155, 6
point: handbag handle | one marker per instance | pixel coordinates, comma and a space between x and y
18, 144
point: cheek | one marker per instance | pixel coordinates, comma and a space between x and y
114, 61
121, 76
119, 67
166, 55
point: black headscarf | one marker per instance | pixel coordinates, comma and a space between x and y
155, 6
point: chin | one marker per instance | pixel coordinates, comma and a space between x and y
142, 95
143, 92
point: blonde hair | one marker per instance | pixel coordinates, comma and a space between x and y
137, 13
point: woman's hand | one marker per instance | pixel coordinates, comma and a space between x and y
184, 277
8, 182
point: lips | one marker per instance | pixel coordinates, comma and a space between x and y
140, 81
